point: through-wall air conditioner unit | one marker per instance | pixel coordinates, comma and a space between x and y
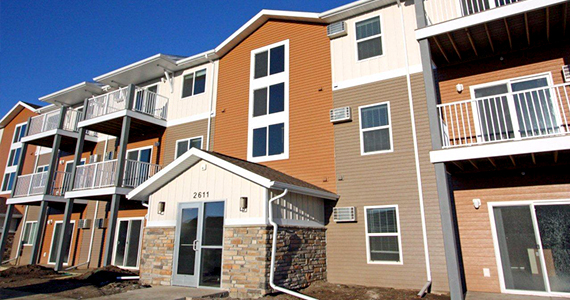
566, 72
84, 224
337, 29
101, 223
340, 114
344, 214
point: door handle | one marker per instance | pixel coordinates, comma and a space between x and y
194, 245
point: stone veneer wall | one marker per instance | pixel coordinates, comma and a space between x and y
300, 259
156, 256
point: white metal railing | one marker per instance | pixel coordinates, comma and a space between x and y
31, 184
95, 175
438, 11
137, 172
519, 115
144, 101
61, 183
49, 121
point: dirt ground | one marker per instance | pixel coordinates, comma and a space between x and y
329, 291
95, 283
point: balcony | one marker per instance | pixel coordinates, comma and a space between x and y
462, 30
102, 175
44, 127
505, 124
104, 112
31, 187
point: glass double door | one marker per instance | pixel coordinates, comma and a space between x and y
534, 245
127, 245
198, 247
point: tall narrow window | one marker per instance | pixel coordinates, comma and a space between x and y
383, 234
369, 38
194, 83
375, 128
269, 115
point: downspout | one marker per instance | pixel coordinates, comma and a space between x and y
427, 286
211, 102
92, 238
21, 235
274, 250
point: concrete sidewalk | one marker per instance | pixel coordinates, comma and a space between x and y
167, 293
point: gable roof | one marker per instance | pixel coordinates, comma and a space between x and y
259, 174
18, 107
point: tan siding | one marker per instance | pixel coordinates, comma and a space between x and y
183, 131
311, 147
385, 179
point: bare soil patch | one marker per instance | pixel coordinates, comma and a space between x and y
42, 280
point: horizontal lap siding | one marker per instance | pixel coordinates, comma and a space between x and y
183, 131
311, 147
385, 179
475, 225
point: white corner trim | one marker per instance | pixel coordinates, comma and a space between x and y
376, 77
535, 145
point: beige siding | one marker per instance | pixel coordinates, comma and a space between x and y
346, 67
385, 179
218, 183
297, 209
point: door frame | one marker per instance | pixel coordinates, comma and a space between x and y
198, 261
128, 236
501, 277
72, 222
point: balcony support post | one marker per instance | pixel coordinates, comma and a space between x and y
77, 157
52, 167
111, 229
6, 229
446, 205
37, 246
64, 237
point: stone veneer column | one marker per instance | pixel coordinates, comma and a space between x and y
156, 256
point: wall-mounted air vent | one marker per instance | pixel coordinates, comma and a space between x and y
344, 214
84, 224
337, 29
101, 223
340, 114
566, 72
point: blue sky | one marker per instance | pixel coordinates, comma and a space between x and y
46, 46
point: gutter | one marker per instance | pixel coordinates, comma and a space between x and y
274, 250
211, 102
416, 157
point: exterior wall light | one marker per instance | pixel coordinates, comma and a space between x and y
243, 204
161, 206
477, 203
459, 88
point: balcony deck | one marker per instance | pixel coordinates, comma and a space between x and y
30, 188
105, 112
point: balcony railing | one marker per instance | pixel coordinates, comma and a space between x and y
145, 102
103, 174
50, 121
438, 11
520, 115
34, 184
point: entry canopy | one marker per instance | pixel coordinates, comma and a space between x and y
259, 174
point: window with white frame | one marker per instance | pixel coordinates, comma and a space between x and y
186, 144
383, 243
13, 158
375, 128
269, 97
194, 83
369, 38
30, 231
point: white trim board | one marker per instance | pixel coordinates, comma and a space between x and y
535, 145
375, 77
97, 192
484, 17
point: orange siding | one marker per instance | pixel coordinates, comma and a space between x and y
311, 146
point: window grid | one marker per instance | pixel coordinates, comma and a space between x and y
368, 38
387, 127
196, 86
383, 242
30, 231
189, 143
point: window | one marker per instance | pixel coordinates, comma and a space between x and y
369, 38
41, 169
269, 93
8, 181
184, 145
30, 231
19, 132
14, 157
375, 128
194, 83
383, 235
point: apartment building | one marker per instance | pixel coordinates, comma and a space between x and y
498, 107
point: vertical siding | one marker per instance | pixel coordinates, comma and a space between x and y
311, 146
385, 179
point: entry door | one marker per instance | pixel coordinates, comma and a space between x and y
57, 231
533, 241
198, 248
127, 245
